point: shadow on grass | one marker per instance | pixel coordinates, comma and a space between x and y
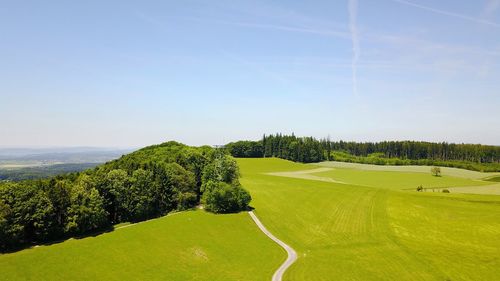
94, 233
97, 232
25, 246
247, 209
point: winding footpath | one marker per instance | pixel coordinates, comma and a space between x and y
292, 255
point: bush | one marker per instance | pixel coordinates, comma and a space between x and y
420, 188
436, 171
221, 197
445, 191
186, 200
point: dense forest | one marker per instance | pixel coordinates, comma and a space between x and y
304, 149
148, 183
307, 150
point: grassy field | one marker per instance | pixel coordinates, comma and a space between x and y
376, 232
397, 180
494, 179
491, 189
187, 246
454, 172
372, 226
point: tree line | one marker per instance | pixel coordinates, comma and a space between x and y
416, 150
308, 149
298, 149
148, 183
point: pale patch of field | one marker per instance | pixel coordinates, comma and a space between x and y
307, 174
196, 254
397, 177
381, 179
17, 166
446, 171
13, 166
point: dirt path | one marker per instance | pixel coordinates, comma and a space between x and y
292, 255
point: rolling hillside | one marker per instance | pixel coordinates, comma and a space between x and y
193, 245
344, 224
352, 232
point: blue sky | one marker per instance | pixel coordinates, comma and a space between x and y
133, 73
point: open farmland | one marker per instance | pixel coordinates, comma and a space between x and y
344, 224
192, 245
352, 232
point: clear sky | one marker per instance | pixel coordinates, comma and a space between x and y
133, 73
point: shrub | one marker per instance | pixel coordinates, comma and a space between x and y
445, 191
436, 171
186, 200
221, 197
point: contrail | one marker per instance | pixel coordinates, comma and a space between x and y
353, 13
333, 33
446, 13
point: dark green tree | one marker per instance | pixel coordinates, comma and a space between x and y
86, 212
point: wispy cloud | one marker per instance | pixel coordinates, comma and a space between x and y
353, 13
324, 32
450, 14
491, 7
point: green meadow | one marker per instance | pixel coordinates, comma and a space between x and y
345, 222
397, 180
494, 179
193, 245
453, 172
370, 228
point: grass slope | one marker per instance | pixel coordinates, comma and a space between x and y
494, 179
350, 232
397, 180
454, 172
187, 246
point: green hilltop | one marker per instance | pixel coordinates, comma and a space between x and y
147, 183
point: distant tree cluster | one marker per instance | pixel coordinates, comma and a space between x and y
148, 183
298, 149
380, 159
422, 150
246, 149
307, 149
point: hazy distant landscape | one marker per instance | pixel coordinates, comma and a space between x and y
34, 163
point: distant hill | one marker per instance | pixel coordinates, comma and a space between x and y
61, 155
35, 163
40, 172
